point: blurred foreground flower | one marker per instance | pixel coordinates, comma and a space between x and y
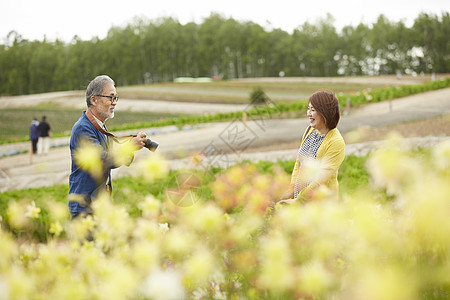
357, 135
122, 153
199, 267
150, 207
88, 157
16, 215
390, 167
196, 158
244, 187
33, 212
152, 167
313, 170
370, 245
382, 283
277, 273
163, 285
113, 223
56, 229
441, 155
57, 211
315, 278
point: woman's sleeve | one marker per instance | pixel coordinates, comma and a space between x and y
294, 176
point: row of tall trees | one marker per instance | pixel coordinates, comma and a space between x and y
160, 50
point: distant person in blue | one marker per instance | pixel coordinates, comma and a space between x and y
101, 100
34, 134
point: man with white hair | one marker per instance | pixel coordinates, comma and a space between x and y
84, 187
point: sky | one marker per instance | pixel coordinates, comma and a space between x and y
63, 19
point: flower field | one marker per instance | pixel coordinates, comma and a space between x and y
219, 235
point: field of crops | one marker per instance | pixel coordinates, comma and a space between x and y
288, 99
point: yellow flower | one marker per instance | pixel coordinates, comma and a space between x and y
199, 267
91, 260
429, 212
357, 135
179, 242
236, 175
7, 251
383, 283
57, 211
82, 227
88, 158
152, 167
441, 155
145, 255
33, 212
114, 225
117, 280
56, 228
16, 215
244, 261
71, 289
146, 229
277, 273
314, 278
150, 206
123, 153
240, 232
163, 285
391, 168
204, 217
20, 284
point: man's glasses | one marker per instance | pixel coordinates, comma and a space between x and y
111, 98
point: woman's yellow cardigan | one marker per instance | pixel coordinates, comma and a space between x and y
332, 154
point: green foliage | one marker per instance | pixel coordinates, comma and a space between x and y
389, 93
258, 96
352, 174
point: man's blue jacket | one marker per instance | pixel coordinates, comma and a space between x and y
82, 186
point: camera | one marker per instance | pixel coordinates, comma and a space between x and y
151, 145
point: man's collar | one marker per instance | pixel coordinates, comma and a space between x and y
102, 124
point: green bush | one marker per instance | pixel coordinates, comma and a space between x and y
258, 96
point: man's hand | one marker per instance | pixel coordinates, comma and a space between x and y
140, 139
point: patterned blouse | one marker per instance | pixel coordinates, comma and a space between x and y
307, 151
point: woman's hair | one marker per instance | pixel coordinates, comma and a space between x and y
96, 86
327, 105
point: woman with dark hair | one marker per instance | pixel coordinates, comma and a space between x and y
321, 152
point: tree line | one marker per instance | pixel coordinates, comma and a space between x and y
147, 51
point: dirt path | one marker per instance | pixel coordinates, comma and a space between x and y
227, 142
